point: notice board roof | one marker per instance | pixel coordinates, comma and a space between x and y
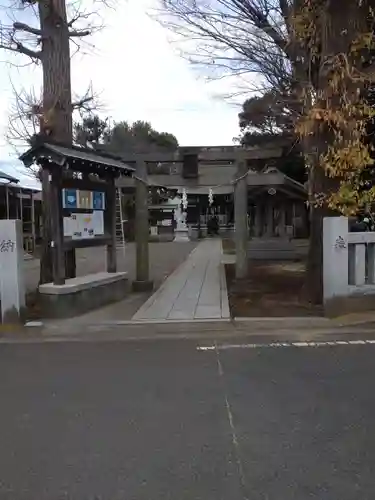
75, 157
6, 177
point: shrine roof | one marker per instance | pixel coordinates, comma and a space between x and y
221, 180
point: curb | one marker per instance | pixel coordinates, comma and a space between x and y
205, 331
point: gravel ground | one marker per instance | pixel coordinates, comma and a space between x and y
164, 258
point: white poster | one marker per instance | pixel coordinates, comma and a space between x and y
75, 227
68, 227
85, 222
82, 226
98, 222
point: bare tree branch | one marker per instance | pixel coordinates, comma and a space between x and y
21, 49
30, 114
79, 33
89, 103
8, 41
230, 37
27, 28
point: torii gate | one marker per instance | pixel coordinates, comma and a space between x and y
191, 157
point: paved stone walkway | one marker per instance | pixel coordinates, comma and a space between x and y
195, 291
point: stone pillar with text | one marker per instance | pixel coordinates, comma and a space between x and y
13, 302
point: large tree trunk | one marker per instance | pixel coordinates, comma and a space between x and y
340, 22
57, 100
319, 183
46, 275
56, 120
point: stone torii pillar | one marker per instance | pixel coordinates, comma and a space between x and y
240, 218
142, 282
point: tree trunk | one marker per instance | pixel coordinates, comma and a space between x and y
340, 22
46, 265
56, 120
314, 272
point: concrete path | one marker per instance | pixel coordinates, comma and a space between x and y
195, 291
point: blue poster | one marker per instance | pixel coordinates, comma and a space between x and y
70, 198
98, 199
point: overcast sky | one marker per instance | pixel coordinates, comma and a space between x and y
139, 76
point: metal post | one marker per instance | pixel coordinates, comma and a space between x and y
33, 231
240, 218
21, 218
119, 193
21, 208
111, 225
7, 200
142, 282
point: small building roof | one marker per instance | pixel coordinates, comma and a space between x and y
76, 157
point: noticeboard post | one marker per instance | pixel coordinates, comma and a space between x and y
83, 214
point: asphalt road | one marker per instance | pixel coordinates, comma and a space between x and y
164, 421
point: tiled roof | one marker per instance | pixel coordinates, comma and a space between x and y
60, 153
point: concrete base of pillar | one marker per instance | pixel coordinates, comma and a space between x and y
82, 294
182, 235
142, 286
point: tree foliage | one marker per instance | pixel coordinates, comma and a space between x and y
122, 137
342, 42
265, 114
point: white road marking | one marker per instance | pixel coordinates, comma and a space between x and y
232, 426
276, 345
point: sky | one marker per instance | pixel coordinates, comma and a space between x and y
138, 75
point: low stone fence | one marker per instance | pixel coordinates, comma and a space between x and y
348, 268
